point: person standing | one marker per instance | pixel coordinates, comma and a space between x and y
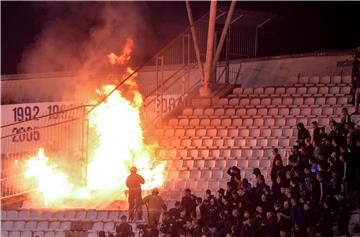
357, 92
154, 204
134, 182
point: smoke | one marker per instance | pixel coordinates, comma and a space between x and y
77, 37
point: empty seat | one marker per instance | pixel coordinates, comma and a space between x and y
244, 101
183, 122
6, 225
23, 214
30, 225
312, 90
284, 111
173, 122
209, 112
330, 101
320, 101
262, 111
303, 80
14, 234
259, 91
255, 101
323, 90
265, 132
226, 122
54, 225
280, 90
42, 225
4, 233
325, 80
335, 79
215, 122
276, 101
240, 112
26, 234
180, 132
11, 214
234, 101
248, 91
66, 225
240, 142
244, 132
209, 142
258, 122
334, 90
314, 79
254, 132
49, 234
187, 112
295, 111
222, 101
266, 101
298, 101
201, 132
19, 225
247, 122
301, 90
287, 101
60, 234
39, 233
273, 111
309, 101
80, 214
237, 91
291, 90
251, 111
219, 112
198, 111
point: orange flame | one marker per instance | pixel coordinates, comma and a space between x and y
117, 143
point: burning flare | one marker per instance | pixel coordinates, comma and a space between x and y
116, 143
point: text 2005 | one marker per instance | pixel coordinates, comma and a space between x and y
22, 134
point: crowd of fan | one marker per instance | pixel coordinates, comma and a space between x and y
317, 193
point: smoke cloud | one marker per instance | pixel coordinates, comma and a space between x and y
78, 37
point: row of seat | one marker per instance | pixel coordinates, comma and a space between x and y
246, 152
219, 163
300, 110
35, 225
289, 100
215, 132
39, 214
320, 89
242, 142
249, 121
346, 79
5, 233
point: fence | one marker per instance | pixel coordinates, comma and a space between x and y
60, 132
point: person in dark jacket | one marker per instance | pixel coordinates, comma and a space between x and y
154, 205
302, 134
123, 229
316, 134
357, 92
354, 73
188, 203
134, 182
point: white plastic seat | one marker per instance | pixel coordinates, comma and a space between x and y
19, 225
280, 90
345, 90
30, 225
269, 122
42, 225
276, 132
194, 122
269, 91
325, 80
312, 90
301, 90
240, 112
260, 142
273, 111
291, 90
342, 100
222, 101
219, 112
23, 214
335, 79
46, 214
230, 112
262, 111
254, 132
205, 122
314, 79
244, 132
330, 100
323, 90
215, 122
225, 153
80, 215
346, 79
214, 153
7, 225
248, 91
54, 225
240, 142
198, 111
306, 111
265, 132
251, 142
210, 142
298, 101
334, 90
247, 153
11, 214
102, 215
255, 101
266, 101
258, 122
49, 234
173, 122
187, 112
183, 122
69, 214
209, 112
237, 91
92, 234
295, 111
66, 225
202, 153
320, 101
234, 101
26, 234
4, 233
58, 215
276, 101
60, 234
196, 142
248, 122
180, 132
273, 142
259, 91
309, 101
14, 234
237, 122
251, 111
284, 111
201, 132
290, 122
303, 80
244, 101
211, 132
226, 122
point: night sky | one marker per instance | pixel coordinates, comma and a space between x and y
299, 27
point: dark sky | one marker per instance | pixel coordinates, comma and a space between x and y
299, 27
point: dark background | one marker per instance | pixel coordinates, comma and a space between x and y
299, 27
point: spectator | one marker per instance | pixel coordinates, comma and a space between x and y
346, 117
302, 134
357, 92
154, 205
354, 73
316, 134
123, 229
188, 203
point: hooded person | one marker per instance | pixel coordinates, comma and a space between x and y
134, 182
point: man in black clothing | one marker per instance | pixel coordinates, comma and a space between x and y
188, 203
302, 134
123, 229
134, 182
234, 173
316, 134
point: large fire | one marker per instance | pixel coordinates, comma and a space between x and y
116, 143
